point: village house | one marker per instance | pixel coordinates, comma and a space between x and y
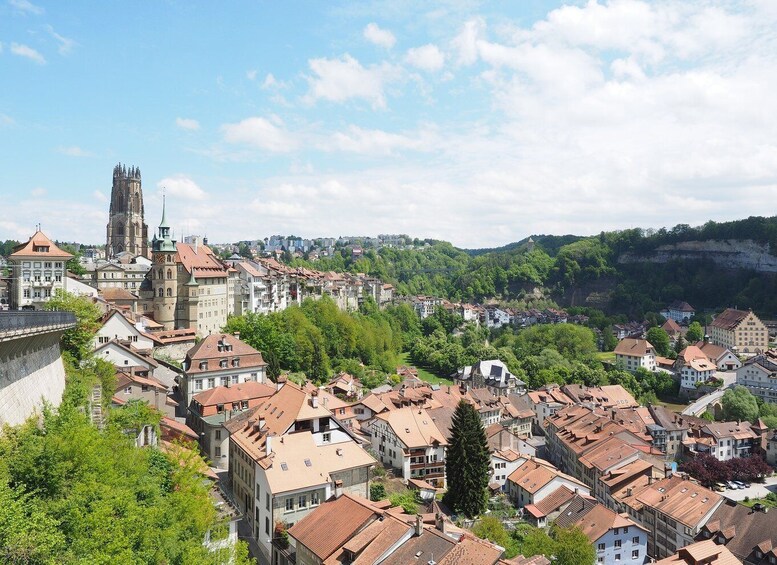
759, 376
493, 375
740, 331
722, 357
409, 440
750, 534
536, 479
632, 354
503, 463
546, 401
211, 409
220, 360
694, 367
705, 552
679, 311
616, 537
287, 456
116, 326
131, 386
723, 440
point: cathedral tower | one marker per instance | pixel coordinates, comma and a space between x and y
126, 229
164, 275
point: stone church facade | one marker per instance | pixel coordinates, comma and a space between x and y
126, 230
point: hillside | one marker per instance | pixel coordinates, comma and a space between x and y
631, 271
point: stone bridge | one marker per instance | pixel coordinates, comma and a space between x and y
31, 370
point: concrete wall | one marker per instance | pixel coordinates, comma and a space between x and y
31, 372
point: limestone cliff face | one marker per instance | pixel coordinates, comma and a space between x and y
727, 254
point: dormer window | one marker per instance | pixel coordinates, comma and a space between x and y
219, 408
223, 363
236, 362
203, 365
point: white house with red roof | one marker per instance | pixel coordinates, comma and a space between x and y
38, 269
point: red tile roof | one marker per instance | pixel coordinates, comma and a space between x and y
39, 245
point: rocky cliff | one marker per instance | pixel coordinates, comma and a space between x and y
728, 254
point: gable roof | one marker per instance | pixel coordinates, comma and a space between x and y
222, 346
39, 245
706, 552
671, 327
414, 427
680, 499
144, 359
729, 319
332, 524
634, 347
233, 393
533, 474
745, 528
202, 263
593, 518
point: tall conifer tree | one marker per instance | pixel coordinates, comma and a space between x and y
467, 463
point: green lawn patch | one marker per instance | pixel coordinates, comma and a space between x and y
606, 356
424, 374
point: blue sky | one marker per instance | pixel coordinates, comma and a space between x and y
479, 123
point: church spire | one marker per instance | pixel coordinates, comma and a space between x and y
163, 223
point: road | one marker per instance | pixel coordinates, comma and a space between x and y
755, 490
699, 406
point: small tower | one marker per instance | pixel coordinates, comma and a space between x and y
164, 274
192, 292
530, 245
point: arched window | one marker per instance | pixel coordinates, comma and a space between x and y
169, 292
169, 274
160, 275
160, 293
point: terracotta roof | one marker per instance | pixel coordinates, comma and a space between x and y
634, 347
332, 524
203, 262
233, 393
392, 532
607, 454
521, 560
707, 552
216, 347
671, 327
39, 245
117, 293
125, 379
729, 319
533, 474
553, 501
414, 427
754, 529
712, 351
680, 499
734, 430
179, 428
472, 551
594, 519
681, 306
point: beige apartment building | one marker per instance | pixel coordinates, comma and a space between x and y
740, 331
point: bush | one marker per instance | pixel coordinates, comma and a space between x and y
406, 500
377, 491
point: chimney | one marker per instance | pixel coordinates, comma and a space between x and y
338, 488
650, 479
419, 525
236, 334
314, 399
268, 444
280, 382
261, 422
440, 523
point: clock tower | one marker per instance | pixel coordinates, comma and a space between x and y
164, 274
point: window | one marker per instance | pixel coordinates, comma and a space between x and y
128, 390
236, 362
211, 382
626, 530
617, 544
218, 451
223, 363
618, 556
219, 408
234, 379
267, 525
224, 381
267, 500
303, 501
635, 540
218, 436
26, 292
198, 384
327, 437
314, 499
600, 547
289, 504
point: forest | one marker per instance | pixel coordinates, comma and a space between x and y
561, 269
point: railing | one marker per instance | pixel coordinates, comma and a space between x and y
19, 320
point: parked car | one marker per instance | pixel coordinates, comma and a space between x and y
720, 487
732, 485
740, 484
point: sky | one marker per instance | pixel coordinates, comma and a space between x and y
474, 122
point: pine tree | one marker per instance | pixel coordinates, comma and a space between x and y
273, 365
467, 463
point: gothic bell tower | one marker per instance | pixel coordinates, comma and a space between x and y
164, 274
126, 230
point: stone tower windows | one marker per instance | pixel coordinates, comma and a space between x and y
126, 229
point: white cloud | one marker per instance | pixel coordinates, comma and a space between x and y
251, 75
27, 52
38, 192
345, 78
465, 44
25, 6
188, 124
65, 44
379, 142
427, 57
182, 186
380, 37
260, 132
270, 82
74, 151
100, 197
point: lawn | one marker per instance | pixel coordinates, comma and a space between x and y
770, 501
424, 374
606, 356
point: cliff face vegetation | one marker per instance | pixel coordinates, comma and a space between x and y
632, 271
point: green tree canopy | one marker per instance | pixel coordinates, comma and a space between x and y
467, 463
739, 404
695, 333
659, 339
77, 341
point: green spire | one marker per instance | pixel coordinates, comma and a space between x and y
163, 223
192, 280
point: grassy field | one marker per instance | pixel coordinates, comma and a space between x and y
606, 356
423, 374
769, 501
